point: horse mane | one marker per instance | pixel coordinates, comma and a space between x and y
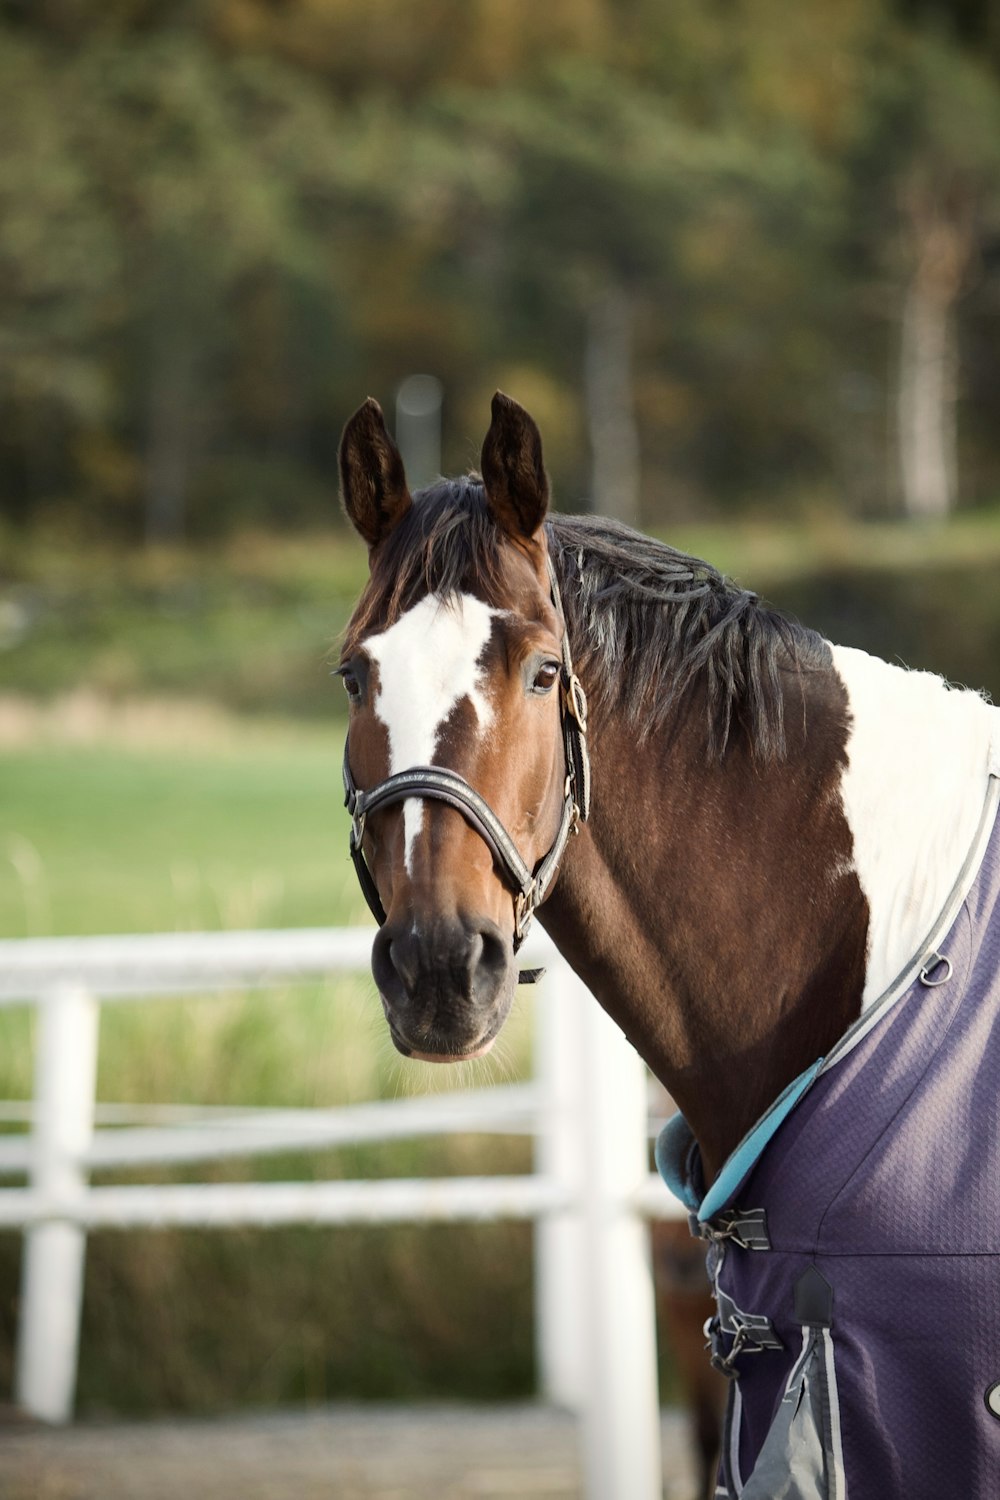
645, 621
650, 621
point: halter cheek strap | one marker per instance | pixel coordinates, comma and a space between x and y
437, 783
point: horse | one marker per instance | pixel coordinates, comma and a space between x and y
775, 863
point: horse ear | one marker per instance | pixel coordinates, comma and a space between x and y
517, 486
373, 485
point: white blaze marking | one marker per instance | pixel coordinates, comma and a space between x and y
428, 662
918, 759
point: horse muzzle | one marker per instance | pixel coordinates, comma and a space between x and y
446, 985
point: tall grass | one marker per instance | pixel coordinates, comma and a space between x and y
97, 838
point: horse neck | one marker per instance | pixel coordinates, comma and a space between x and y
734, 918
714, 912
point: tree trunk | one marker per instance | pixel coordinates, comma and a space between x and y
168, 452
614, 437
928, 362
927, 395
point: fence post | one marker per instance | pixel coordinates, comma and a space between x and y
52, 1270
560, 1238
621, 1417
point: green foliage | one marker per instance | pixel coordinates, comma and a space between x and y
402, 1314
222, 224
249, 627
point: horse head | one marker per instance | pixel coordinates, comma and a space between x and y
458, 678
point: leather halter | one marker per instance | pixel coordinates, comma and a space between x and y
530, 887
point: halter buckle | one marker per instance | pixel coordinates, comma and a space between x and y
575, 700
524, 909
575, 816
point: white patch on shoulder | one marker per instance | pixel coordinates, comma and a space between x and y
428, 662
918, 762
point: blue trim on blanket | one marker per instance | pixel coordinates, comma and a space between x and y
678, 1161
678, 1158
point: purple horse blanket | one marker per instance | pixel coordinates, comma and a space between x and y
857, 1261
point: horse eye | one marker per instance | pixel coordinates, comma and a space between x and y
546, 677
351, 685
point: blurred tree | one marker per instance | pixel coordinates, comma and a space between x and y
925, 207
165, 200
629, 241
201, 171
948, 186
695, 231
60, 273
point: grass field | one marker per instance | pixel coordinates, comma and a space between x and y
242, 826
245, 832
147, 784
249, 833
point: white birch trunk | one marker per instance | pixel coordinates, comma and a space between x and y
928, 436
927, 424
614, 436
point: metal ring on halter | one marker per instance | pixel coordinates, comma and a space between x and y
934, 962
576, 701
524, 909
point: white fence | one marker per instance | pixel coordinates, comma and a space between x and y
589, 1194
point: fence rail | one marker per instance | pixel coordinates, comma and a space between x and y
588, 1196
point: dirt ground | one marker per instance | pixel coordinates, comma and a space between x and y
337, 1453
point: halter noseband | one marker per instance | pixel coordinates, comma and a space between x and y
530, 887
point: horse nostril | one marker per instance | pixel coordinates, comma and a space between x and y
474, 952
404, 954
490, 959
395, 964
